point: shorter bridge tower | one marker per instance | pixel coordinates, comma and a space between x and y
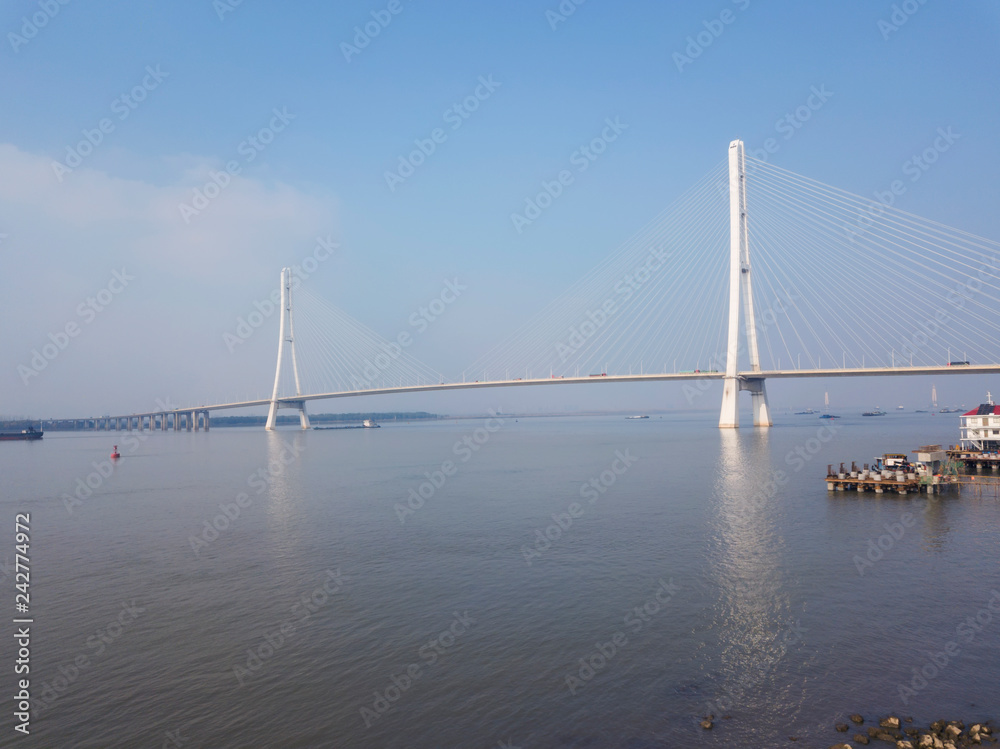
286, 334
740, 284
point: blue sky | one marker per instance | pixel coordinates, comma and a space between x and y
348, 122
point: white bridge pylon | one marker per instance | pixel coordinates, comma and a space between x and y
286, 334
740, 284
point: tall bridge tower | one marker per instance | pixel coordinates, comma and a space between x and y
740, 284
286, 334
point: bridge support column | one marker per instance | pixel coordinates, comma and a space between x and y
205, 416
729, 418
740, 288
758, 395
286, 333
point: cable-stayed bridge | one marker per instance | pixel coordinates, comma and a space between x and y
802, 280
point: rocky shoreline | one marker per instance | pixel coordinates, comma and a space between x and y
940, 734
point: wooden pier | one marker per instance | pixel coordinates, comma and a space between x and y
881, 482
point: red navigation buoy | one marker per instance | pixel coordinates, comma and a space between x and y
115, 453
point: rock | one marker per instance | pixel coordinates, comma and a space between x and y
890, 722
911, 732
886, 737
872, 731
841, 746
904, 745
937, 726
857, 719
861, 738
938, 744
926, 741
706, 724
842, 727
952, 731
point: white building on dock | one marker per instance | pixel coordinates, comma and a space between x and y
980, 428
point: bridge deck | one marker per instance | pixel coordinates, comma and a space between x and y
660, 377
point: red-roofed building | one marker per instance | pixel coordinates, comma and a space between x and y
980, 427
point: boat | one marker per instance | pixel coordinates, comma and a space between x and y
900, 408
636, 417
366, 424
807, 412
950, 411
25, 434
918, 411
829, 416
876, 412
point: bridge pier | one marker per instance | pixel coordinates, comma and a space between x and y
286, 332
740, 288
758, 396
206, 417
